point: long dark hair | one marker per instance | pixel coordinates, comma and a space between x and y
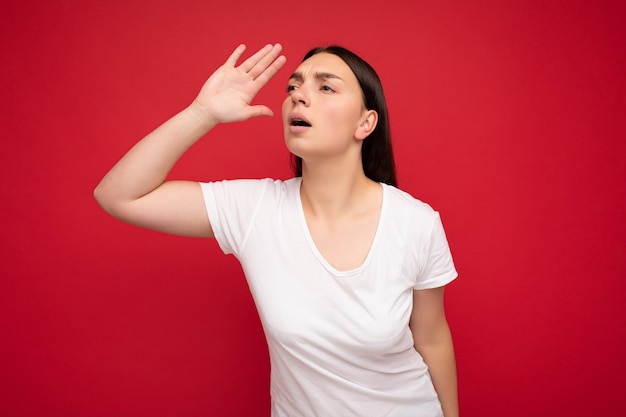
376, 152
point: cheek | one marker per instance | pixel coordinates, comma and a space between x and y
285, 108
343, 115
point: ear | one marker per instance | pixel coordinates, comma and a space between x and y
368, 123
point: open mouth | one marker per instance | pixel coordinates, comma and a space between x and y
299, 121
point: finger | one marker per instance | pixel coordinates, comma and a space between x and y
234, 57
265, 61
259, 110
252, 61
270, 71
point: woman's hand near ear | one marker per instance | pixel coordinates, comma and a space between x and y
135, 190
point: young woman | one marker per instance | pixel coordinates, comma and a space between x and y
347, 272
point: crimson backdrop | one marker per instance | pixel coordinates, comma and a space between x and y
508, 117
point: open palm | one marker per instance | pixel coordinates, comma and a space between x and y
226, 96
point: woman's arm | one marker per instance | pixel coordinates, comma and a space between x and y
135, 190
433, 341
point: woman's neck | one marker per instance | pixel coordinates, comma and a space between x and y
335, 190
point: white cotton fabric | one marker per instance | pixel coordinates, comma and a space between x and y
339, 341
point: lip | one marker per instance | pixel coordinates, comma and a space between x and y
298, 129
297, 116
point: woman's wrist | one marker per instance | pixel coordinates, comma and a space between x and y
201, 115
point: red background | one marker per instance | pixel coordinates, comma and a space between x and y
508, 117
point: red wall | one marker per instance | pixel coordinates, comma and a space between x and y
508, 117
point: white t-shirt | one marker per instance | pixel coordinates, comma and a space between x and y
339, 341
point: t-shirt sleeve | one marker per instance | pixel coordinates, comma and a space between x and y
231, 206
438, 267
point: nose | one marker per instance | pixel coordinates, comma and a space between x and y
300, 95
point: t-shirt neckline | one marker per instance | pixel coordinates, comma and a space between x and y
313, 246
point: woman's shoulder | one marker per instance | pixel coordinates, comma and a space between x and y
405, 202
244, 184
407, 216
268, 190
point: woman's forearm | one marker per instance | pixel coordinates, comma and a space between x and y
442, 368
147, 164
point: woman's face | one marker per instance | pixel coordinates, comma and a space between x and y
323, 109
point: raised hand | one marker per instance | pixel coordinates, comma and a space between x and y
227, 94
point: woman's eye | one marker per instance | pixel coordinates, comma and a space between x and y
291, 87
327, 88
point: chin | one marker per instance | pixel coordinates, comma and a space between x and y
291, 146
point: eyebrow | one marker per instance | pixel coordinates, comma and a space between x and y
318, 75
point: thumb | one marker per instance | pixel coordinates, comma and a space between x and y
259, 110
